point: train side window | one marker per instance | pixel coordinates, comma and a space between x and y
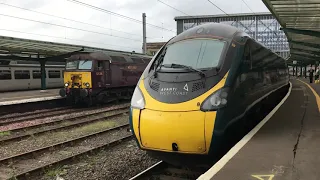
5, 75
99, 65
36, 74
54, 74
22, 74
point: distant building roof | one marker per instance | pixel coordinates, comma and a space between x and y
155, 44
220, 15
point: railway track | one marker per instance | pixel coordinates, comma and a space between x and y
65, 124
59, 120
37, 160
15, 115
41, 115
164, 171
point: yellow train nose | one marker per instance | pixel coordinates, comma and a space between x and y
173, 131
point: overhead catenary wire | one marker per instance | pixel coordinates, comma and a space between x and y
11, 30
248, 6
173, 8
69, 27
117, 14
74, 20
218, 7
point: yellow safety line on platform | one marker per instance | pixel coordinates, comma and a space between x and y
314, 93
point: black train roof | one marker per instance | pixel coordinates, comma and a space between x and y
209, 30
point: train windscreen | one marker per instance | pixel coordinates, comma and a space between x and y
81, 64
196, 53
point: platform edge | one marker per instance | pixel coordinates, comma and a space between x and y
235, 149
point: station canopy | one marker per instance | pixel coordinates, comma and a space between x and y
300, 20
24, 49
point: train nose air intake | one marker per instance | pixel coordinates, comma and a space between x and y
175, 147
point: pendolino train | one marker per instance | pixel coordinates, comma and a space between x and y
198, 85
102, 76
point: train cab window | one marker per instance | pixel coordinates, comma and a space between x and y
197, 53
5, 75
99, 65
36, 74
22, 74
54, 74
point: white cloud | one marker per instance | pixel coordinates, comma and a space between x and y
157, 14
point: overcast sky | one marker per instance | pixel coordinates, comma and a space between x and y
130, 36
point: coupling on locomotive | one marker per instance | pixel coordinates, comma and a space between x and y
101, 77
198, 86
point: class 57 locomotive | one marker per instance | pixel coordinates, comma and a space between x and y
100, 77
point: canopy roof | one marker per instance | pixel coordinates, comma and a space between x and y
26, 49
300, 20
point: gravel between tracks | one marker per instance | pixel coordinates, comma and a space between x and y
55, 137
11, 115
36, 129
62, 152
120, 163
55, 118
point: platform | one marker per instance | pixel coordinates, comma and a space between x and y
283, 146
18, 97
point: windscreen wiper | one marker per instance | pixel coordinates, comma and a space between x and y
84, 62
173, 65
160, 60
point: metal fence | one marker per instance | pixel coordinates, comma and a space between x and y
263, 27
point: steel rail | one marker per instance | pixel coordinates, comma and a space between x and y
58, 128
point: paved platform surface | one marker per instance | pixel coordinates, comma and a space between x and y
287, 147
8, 98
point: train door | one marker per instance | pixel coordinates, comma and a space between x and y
107, 73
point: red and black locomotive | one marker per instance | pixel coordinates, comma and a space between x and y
102, 76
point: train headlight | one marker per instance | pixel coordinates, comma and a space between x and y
216, 100
66, 84
87, 85
137, 100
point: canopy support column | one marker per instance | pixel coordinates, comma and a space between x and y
43, 74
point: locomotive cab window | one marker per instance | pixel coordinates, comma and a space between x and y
197, 53
99, 65
80, 64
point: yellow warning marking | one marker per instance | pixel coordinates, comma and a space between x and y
314, 93
262, 177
